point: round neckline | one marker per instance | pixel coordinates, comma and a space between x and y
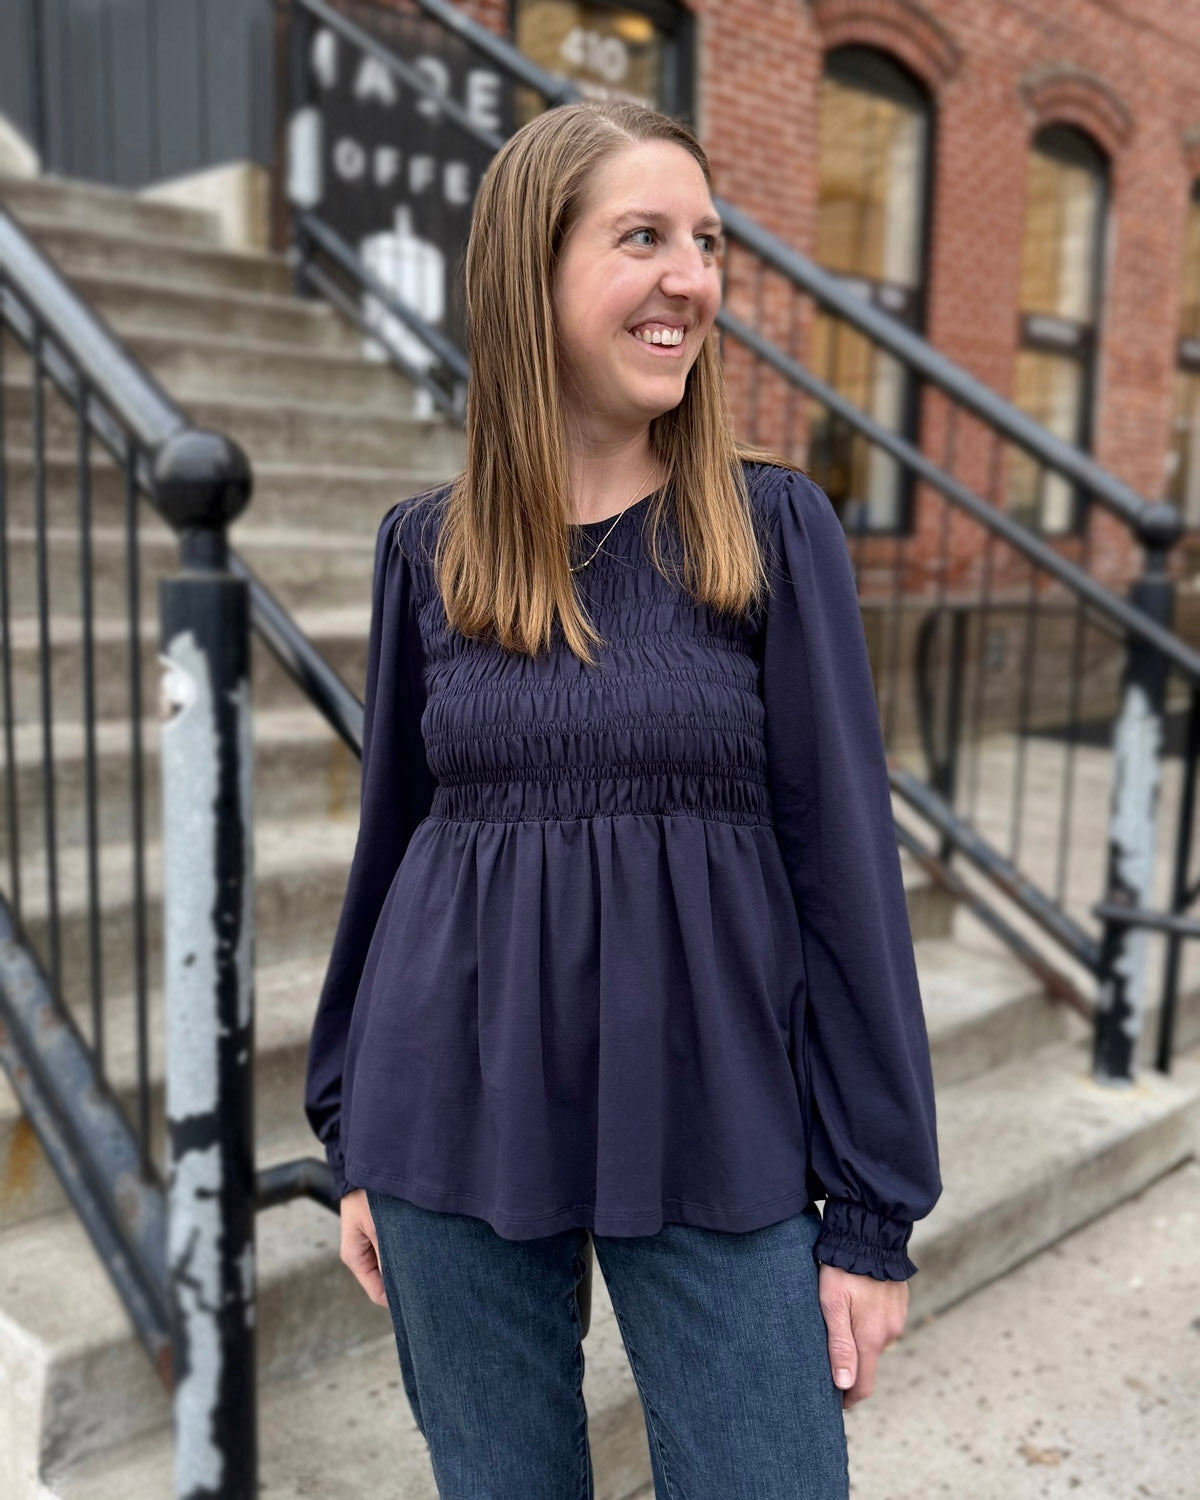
586, 526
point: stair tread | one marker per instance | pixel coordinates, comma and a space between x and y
280, 847
226, 343
285, 997
961, 982
346, 1425
242, 533
65, 630
48, 186
275, 469
1050, 1115
37, 223
185, 396
188, 291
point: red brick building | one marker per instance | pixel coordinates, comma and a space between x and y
1019, 182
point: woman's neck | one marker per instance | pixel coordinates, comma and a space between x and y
602, 483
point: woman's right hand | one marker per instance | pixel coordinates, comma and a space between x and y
360, 1245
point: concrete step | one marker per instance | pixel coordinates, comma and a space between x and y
79, 249
285, 1001
270, 430
300, 881
89, 205
304, 1422
73, 1377
301, 770
141, 302
1034, 1149
200, 363
339, 635
315, 568
351, 500
983, 1009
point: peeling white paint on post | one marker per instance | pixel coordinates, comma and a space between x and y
209, 976
1137, 741
189, 761
1132, 840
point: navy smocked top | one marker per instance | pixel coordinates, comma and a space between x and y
628, 944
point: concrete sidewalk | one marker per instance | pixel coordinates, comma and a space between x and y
1077, 1374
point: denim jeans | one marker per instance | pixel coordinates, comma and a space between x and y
723, 1331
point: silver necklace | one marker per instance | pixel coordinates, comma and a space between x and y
579, 567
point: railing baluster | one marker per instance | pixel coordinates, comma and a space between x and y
11, 770
83, 465
138, 832
1179, 882
45, 661
1025, 698
1017, 785
1078, 640
982, 669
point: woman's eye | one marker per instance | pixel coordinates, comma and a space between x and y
708, 242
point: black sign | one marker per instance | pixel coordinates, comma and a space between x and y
383, 165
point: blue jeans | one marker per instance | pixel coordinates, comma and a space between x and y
723, 1331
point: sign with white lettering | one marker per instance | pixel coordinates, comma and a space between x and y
381, 162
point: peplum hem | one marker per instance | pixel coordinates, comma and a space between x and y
623, 1222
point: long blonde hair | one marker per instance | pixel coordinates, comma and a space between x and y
502, 561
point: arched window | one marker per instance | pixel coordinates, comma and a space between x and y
1183, 462
872, 231
1062, 258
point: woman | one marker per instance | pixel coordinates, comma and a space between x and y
624, 947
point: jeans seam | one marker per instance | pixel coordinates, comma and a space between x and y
650, 1412
585, 1488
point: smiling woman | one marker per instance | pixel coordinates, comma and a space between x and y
624, 951
652, 274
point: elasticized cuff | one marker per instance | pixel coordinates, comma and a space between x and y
856, 1239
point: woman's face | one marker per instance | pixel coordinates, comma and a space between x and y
641, 259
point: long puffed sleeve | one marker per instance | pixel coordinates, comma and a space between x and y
860, 1050
397, 792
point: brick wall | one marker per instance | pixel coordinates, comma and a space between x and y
996, 71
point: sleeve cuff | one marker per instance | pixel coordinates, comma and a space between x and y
854, 1238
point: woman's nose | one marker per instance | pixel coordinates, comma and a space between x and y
686, 271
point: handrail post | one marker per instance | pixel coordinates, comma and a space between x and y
1137, 775
203, 482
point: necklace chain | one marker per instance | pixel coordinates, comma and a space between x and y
579, 567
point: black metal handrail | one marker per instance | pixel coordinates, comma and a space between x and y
197, 482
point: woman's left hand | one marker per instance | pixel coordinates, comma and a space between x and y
862, 1317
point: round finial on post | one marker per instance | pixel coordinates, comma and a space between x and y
1160, 526
202, 479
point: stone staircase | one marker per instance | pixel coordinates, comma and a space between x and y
1031, 1148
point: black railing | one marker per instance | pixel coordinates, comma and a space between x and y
161, 1176
993, 637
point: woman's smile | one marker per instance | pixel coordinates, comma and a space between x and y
663, 343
